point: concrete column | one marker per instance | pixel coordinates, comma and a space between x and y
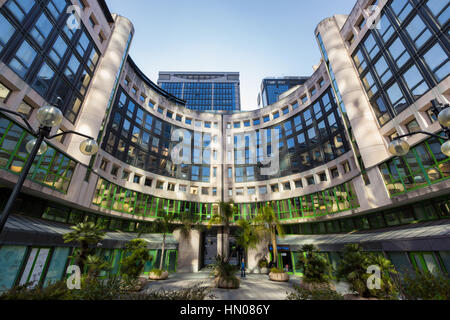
226, 242
97, 100
362, 119
256, 254
188, 251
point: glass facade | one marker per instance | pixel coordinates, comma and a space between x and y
54, 60
53, 169
203, 96
406, 57
271, 89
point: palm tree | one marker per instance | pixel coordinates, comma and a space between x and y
267, 223
85, 234
227, 210
187, 224
247, 236
96, 265
163, 225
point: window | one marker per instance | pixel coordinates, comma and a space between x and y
159, 185
256, 122
438, 62
239, 191
380, 109
4, 93
440, 10
114, 170
182, 188
247, 123
20, 8
371, 46
125, 175
56, 7
188, 121
207, 124
360, 61
137, 179
418, 32
103, 164
170, 187
361, 23
399, 53
83, 44
262, 190
230, 192
194, 190
346, 166
25, 109
169, 114
286, 186
251, 191
383, 70
41, 29
148, 182
431, 115
310, 180
23, 59
276, 115
401, 8
205, 191
369, 84
396, 97
322, 176
298, 184
72, 68
44, 79
58, 50
412, 126
334, 173
415, 82
266, 118
274, 187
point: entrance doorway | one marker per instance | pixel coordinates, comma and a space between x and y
284, 256
209, 248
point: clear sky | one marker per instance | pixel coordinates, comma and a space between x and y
258, 38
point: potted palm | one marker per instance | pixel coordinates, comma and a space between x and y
163, 226
266, 222
86, 234
225, 274
136, 256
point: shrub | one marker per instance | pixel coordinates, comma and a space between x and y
225, 271
195, 292
313, 294
133, 265
424, 285
276, 270
157, 272
316, 269
55, 291
263, 263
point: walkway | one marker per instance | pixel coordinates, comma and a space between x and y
254, 287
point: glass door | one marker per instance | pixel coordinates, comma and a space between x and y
424, 261
171, 261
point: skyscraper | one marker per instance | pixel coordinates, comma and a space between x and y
204, 91
271, 88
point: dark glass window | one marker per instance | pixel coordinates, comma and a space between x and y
399, 53
418, 32
396, 97
415, 82
438, 61
20, 8
58, 50
44, 79
440, 9
41, 29
7, 31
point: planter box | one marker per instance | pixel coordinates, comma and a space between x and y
164, 275
224, 284
279, 277
264, 270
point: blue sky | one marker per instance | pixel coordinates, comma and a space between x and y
258, 38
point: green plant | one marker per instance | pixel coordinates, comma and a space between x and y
223, 270
156, 272
246, 235
163, 225
86, 234
423, 285
316, 269
136, 256
55, 291
227, 210
276, 270
266, 222
96, 265
263, 263
313, 294
353, 269
196, 292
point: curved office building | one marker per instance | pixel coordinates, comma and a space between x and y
333, 181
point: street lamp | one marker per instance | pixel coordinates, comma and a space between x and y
48, 117
400, 147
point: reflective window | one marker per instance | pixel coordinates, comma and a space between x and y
399, 53
371, 46
58, 50
383, 70
7, 31
438, 61
83, 44
72, 68
41, 29
381, 111
401, 8
23, 59
440, 9
56, 7
386, 29
44, 79
20, 8
369, 84
415, 82
418, 32
396, 97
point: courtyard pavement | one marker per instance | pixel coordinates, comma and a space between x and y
253, 287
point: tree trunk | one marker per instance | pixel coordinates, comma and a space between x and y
162, 251
84, 251
275, 249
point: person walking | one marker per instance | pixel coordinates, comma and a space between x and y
243, 268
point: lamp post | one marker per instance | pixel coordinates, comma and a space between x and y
48, 117
400, 147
